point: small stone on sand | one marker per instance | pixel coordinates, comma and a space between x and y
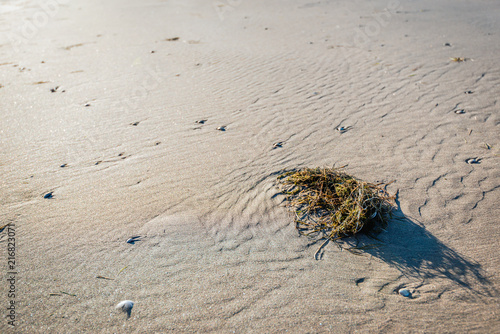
405, 293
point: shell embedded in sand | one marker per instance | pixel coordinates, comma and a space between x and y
125, 306
471, 161
221, 128
460, 111
404, 293
132, 240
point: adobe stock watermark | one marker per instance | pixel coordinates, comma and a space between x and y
222, 7
152, 80
11, 280
126, 101
30, 26
373, 28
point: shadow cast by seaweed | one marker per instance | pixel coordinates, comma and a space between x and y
421, 256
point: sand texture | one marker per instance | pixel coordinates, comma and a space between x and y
99, 102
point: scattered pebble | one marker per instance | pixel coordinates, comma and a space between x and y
278, 144
201, 121
48, 195
472, 161
459, 111
172, 39
64, 165
446, 44
53, 90
405, 293
469, 92
135, 123
221, 128
458, 59
153, 51
87, 105
125, 306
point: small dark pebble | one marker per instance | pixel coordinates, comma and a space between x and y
64, 165
157, 143
153, 51
446, 44
98, 162
53, 90
135, 123
469, 92
201, 121
459, 111
48, 195
121, 154
221, 128
87, 105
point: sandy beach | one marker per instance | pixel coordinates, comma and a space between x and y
157, 119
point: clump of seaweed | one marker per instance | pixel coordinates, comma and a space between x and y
334, 204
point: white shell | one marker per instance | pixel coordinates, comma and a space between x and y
125, 306
404, 293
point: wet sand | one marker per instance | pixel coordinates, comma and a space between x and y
99, 103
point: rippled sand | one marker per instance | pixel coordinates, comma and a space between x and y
218, 250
